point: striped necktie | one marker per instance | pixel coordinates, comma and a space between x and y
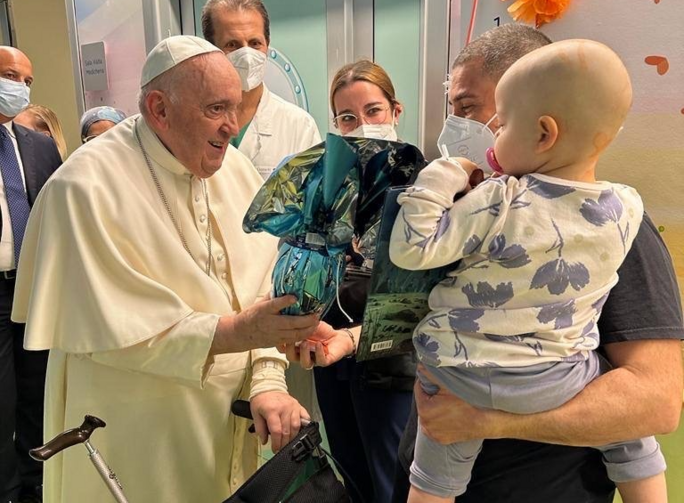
14, 190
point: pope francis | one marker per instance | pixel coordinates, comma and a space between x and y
136, 275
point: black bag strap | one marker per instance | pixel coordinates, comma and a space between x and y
271, 482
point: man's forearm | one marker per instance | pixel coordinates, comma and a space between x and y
642, 396
224, 340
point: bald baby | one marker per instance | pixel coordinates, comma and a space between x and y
559, 107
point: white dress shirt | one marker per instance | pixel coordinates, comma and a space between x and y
278, 129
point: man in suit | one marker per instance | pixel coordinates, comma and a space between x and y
27, 159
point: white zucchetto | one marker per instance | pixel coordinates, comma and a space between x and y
171, 51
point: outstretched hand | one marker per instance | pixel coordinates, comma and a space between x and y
323, 348
262, 326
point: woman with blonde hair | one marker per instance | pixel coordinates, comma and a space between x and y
43, 120
365, 405
363, 101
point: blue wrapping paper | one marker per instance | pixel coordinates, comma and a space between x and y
318, 201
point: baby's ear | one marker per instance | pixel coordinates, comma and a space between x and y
547, 133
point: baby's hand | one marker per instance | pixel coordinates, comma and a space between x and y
475, 174
468, 166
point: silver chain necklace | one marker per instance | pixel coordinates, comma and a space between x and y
162, 196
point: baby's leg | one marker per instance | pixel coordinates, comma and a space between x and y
637, 468
649, 490
418, 496
441, 472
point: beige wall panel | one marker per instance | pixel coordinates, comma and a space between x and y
40, 28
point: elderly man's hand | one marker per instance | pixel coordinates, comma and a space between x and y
262, 326
447, 419
324, 347
278, 414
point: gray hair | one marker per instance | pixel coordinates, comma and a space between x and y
233, 5
168, 82
500, 47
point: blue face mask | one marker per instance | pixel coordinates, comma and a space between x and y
14, 97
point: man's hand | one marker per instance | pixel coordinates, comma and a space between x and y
324, 347
278, 414
615, 407
446, 419
262, 326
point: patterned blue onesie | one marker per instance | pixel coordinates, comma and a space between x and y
514, 325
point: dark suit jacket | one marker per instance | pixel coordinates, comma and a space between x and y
40, 158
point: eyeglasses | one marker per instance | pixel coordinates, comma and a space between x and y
348, 122
91, 137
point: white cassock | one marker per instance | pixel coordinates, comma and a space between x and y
105, 283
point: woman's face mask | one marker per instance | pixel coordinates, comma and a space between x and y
376, 131
250, 65
14, 97
467, 138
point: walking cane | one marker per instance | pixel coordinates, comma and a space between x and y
81, 435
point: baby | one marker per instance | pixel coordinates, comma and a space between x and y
514, 327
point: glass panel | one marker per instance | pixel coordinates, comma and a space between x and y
119, 25
297, 62
5, 28
397, 50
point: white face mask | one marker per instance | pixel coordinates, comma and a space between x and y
376, 131
250, 65
14, 97
467, 138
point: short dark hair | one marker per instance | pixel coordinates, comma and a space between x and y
212, 5
500, 47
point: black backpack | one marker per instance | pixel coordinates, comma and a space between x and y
272, 482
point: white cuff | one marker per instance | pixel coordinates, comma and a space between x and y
444, 177
267, 375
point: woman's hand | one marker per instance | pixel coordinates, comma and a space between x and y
324, 347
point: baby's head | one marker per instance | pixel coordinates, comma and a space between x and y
559, 107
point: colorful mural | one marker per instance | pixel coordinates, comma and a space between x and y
649, 153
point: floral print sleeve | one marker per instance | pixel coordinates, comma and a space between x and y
432, 230
537, 258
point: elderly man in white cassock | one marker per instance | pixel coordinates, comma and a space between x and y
136, 275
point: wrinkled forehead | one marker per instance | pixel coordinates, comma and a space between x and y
209, 74
469, 79
238, 24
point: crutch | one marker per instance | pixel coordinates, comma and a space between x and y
81, 435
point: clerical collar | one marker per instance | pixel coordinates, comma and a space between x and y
157, 151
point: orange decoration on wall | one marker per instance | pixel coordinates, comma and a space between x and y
660, 62
538, 12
